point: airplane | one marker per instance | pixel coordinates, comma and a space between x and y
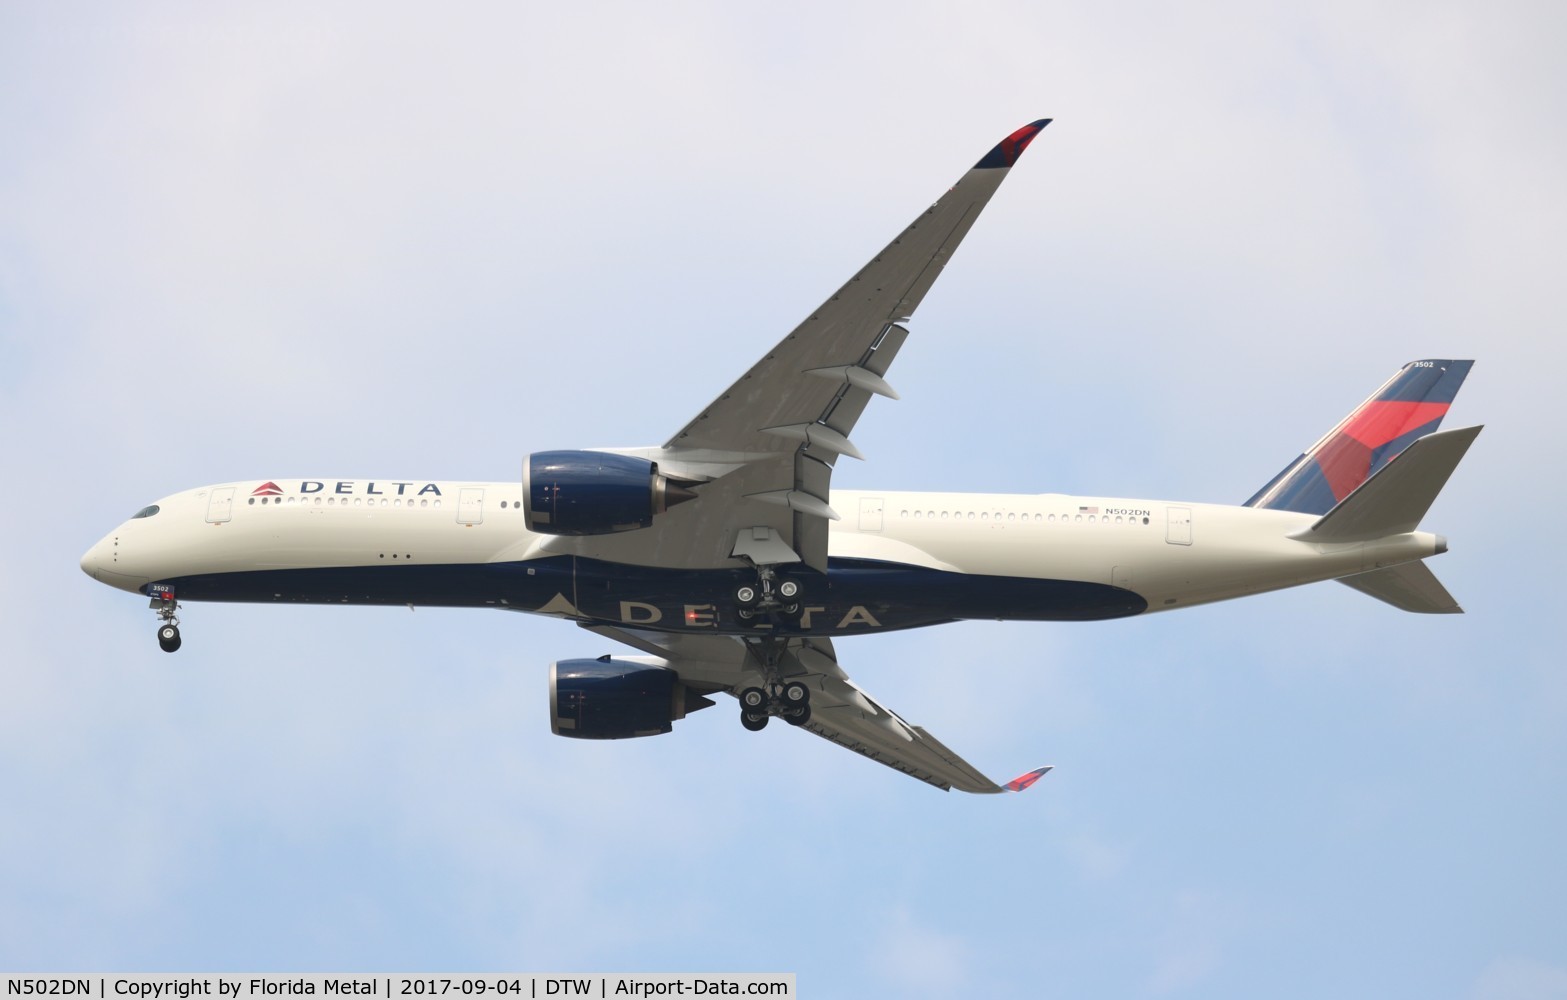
726, 561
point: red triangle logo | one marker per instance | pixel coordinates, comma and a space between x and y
267, 490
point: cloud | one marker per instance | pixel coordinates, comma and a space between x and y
1513, 978
918, 960
1193, 943
370, 240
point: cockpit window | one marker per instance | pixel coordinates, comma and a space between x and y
145, 512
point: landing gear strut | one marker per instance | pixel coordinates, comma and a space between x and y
168, 632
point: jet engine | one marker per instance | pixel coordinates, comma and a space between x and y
609, 699
595, 492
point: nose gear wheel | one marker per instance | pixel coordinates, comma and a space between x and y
168, 613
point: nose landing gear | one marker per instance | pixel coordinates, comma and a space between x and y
167, 607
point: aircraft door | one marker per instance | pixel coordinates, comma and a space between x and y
220, 505
470, 506
1178, 526
870, 513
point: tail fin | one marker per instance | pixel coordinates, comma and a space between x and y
1409, 406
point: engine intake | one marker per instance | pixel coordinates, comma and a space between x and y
595, 492
609, 699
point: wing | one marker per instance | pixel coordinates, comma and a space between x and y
765, 448
840, 710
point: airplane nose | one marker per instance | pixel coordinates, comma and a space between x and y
92, 561
106, 562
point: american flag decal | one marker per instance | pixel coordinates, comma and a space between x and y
1088, 510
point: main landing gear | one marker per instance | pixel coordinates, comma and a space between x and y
778, 597
168, 632
791, 702
788, 699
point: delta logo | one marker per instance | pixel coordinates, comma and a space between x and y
351, 488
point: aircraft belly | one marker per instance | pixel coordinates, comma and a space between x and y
853, 597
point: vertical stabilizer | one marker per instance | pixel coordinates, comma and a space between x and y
1409, 406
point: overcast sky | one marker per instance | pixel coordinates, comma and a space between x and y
340, 240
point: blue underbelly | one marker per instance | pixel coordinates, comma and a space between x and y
854, 596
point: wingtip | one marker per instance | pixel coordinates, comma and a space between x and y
1023, 782
1007, 151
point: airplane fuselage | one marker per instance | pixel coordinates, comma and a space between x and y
896, 559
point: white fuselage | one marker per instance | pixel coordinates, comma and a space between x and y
342, 541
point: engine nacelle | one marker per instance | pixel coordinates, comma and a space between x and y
609, 699
594, 492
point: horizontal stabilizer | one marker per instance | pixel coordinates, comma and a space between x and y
1394, 500
1408, 586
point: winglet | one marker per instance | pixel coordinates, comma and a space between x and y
1023, 782
1009, 149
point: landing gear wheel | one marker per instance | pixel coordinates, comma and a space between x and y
791, 611
788, 588
754, 721
796, 694
747, 596
745, 614
798, 716
753, 700
168, 638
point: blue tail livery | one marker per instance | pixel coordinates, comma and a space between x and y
1408, 407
